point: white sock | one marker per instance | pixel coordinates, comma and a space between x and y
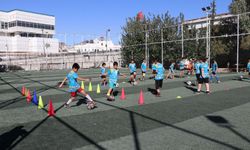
70, 100
88, 97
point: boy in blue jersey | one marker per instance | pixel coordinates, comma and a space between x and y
248, 67
197, 70
154, 66
103, 74
143, 69
159, 77
214, 72
204, 76
113, 77
74, 87
132, 70
171, 72
182, 68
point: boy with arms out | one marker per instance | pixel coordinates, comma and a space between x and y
75, 88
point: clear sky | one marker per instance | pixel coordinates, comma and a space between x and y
84, 19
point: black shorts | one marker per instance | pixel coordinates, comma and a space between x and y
103, 76
214, 73
154, 72
248, 73
197, 76
143, 72
158, 83
203, 80
133, 73
182, 69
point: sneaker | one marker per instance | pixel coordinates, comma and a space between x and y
66, 105
158, 95
218, 81
208, 92
198, 92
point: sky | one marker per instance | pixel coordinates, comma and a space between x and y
88, 19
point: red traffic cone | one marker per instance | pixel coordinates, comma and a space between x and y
141, 99
51, 109
23, 91
122, 97
28, 98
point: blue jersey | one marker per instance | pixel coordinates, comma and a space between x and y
214, 67
72, 78
153, 66
159, 72
132, 67
113, 75
144, 67
103, 70
248, 67
205, 68
182, 65
197, 68
171, 67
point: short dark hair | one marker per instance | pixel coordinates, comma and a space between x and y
76, 66
115, 63
103, 64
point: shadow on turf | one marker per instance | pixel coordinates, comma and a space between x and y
222, 122
7, 138
153, 91
134, 131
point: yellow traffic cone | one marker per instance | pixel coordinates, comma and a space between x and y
40, 103
82, 86
98, 90
90, 87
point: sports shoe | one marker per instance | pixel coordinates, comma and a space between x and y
208, 92
66, 105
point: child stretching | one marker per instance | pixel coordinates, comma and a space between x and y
113, 77
74, 87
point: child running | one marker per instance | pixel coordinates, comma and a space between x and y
171, 72
154, 66
204, 76
159, 78
143, 69
132, 70
75, 88
113, 77
103, 74
214, 72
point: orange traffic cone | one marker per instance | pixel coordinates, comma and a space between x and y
122, 97
51, 109
23, 91
28, 98
141, 99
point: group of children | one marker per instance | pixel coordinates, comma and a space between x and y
199, 66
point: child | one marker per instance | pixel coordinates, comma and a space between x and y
143, 69
248, 67
182, 67
103, 74
204, 76
75, 88
132, 69
154, 66
171, 71
113, 77
197, 70
159, 77
214, 72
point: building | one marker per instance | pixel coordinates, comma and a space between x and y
199, 23
96, 45
27, 32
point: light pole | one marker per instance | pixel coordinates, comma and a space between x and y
207, 10
108, 30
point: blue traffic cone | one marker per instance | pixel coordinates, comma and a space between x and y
34, 100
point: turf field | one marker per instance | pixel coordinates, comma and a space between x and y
220, 120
